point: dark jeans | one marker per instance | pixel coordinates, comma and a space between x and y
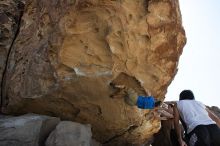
205, 135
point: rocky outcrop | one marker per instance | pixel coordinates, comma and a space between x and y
215, 110
26, 130
69, 56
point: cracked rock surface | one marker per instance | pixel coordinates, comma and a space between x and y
67, 54
10, 15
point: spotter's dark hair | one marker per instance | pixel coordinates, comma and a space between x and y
186, 95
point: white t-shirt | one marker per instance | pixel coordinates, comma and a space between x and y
193, 114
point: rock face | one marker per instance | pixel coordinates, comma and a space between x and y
10, 15
70, 134
26, 130
68, 55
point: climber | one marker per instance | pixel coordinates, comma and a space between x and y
166, 135
143, 102
200, 124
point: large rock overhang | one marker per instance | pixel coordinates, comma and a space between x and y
67, 54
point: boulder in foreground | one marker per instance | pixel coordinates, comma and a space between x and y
26, 130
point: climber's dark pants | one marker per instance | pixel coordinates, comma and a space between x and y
174, 137
205, 135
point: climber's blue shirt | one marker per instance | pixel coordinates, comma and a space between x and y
144, 102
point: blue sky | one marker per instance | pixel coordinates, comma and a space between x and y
199, 65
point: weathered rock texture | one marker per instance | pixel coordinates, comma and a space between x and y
10, 15
26, 130
68, 53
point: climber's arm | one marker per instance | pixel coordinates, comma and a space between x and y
177, 125
166, 113
213, 117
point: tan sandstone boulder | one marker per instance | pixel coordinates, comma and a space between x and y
69, 54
